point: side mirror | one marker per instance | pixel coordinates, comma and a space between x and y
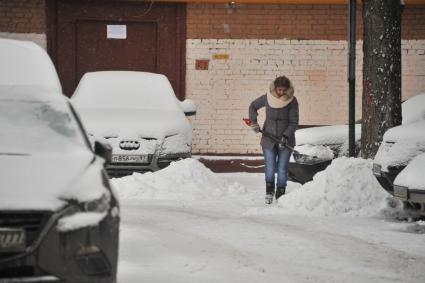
103, 150
189, 107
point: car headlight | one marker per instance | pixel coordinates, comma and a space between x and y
90, 193
99, 205
177, 143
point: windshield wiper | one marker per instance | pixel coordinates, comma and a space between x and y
14, 154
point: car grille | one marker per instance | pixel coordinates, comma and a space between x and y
129, 144
31, 221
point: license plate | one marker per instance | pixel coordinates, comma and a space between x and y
401, 192
12, 240
121, 158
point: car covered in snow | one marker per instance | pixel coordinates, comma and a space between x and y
59, 217
316, 148
138, 114
401, 145
26, 63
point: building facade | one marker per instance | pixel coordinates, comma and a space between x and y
221, 55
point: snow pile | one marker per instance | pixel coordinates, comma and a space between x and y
187, 179
414, 109
346, 188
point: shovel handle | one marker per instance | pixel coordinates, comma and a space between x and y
248, 122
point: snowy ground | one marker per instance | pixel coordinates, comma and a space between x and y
187, 224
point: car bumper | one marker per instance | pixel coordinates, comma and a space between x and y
155, 163
88, 254
386, 179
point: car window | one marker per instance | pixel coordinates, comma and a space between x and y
33, 126
125, 90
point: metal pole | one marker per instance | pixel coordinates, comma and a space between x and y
352, 78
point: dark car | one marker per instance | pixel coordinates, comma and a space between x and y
409, 185
397, 164
59, 217
399, 147
316, 148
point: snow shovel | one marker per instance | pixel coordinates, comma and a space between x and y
297, 155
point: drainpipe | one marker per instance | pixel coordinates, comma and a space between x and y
351, 78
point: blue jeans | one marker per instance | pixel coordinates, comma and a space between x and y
276, 160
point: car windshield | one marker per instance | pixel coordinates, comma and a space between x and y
33, 126
125, 90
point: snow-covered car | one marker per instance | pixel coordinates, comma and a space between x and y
139, 115
26, 63
399, 147
316, 148
59, 218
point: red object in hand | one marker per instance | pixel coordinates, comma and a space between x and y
247, 121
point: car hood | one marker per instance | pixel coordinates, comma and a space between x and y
401, 144
412, 176
134, 122
41, 181
325, 135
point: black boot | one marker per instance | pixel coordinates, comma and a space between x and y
280, 192
269, 192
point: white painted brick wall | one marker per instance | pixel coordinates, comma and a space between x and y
318, 69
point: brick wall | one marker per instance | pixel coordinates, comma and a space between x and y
305, 42
318, 69
24, 20
313, 22
22, 16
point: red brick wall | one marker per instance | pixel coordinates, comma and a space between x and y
22, 16
317, 22
328, 22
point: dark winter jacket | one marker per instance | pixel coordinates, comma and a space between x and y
282, 121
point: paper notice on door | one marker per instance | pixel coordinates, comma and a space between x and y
116, 31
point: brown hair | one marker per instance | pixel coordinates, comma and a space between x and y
282, 81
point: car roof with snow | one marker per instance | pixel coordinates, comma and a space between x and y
125, 90
30, 92
413, 109
26, 63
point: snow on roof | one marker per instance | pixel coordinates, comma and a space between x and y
125, 90
346, 188
413, 175
337, 134
413, 109
26, 63
183, 180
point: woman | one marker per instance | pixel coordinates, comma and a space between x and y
281, 122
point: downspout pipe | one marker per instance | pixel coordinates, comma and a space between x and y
352, 78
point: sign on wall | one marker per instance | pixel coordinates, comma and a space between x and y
116, 31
